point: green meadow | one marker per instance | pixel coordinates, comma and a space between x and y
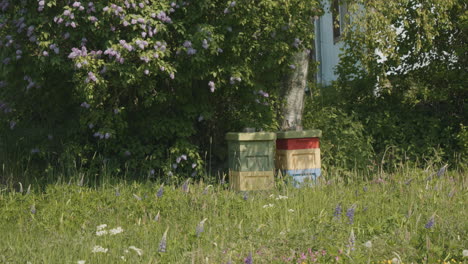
405, 217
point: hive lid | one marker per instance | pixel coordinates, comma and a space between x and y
299, 134
254, 136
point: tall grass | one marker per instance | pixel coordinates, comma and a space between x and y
352, 219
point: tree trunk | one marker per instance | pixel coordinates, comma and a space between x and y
293, 93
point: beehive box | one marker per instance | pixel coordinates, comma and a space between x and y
298, 155
251, 160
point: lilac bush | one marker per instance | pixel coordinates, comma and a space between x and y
152, 62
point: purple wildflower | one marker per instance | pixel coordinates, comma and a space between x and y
338, 211
172, 76
162, 245
160, 192
146, 72
248, 259
141, 5
350, 215
430, 223
226, 11
183, 156
245, 197
233, 3
107, 135
292, 66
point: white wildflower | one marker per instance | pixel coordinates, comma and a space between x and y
116, 231
282, 233
81, 262
395, 261
99, 249
268, 205
137, 250
123, 258
291, 210
101, 227
368, 244
465, 253
101, 232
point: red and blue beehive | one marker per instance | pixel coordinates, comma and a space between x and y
298, 155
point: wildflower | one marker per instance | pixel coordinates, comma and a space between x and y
172, 76
146, 72
101, 232
268, 205
292, 66
81, 262
338, 211
194, 165
160, 191
162, 244
127, 153
137, 250
465, 253
248, 259
233, 3
430, 223
201, 227
99, 249
117, 193
395, 261
183, 156
245, 196
12, 125
350, 215
116, 231
291, 210
33, 209
226, 11
368, 244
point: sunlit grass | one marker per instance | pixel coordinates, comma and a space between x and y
386, 219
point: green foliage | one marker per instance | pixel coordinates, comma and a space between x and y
344, 143
404, 76
113, 81
59, 224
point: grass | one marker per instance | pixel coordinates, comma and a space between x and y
391, 221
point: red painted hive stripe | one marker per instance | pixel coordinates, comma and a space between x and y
297, 143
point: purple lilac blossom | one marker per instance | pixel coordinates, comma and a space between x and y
205, 44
